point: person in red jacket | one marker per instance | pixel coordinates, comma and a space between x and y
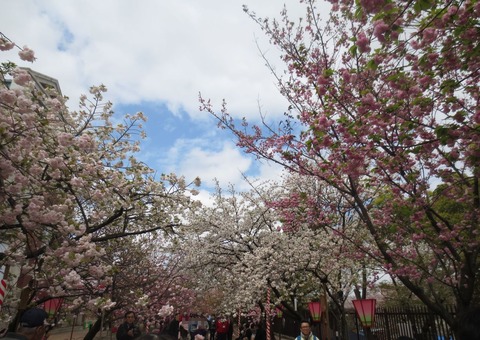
222, 325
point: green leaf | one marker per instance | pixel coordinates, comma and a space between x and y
422, 5
353, 50
328, 72
449, 86
372, 65
308, 144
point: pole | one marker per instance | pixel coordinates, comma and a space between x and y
239, 322
326, 323
267, 312
73, 325
356, 326
101, 323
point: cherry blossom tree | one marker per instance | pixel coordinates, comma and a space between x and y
384, 108
144, 279
71, 188
248, 242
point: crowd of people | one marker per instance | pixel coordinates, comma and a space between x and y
221, 327
195, 327
33, 325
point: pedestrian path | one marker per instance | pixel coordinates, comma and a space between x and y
79, 333
66, 333
166, 336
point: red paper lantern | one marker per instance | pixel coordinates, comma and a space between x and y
365, 309
52, 306
315, 310
279, 312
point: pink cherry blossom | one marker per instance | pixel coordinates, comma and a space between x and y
21, 77
7, 97
27, 54
6, 44
429, 35
363, 43
400, 146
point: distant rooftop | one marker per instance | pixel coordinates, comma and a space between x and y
42, 81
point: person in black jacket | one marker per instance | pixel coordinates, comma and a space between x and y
128, 330
469, 325
247, 332
260, 333
230, 329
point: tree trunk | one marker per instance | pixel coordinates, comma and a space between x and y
94, 329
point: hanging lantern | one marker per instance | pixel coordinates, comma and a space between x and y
279, 312
365, 309
315, 308
52, 306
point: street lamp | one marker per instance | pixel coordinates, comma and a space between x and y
365, 309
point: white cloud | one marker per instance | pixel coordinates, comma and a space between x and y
162, 52
157, 50
222, 161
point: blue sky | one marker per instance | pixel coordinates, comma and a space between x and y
156, 56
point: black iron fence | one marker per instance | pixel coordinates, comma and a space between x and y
416, 322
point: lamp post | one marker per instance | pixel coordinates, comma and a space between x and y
365, 309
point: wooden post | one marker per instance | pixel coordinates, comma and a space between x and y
73, 325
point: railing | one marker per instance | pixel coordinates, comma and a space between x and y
416, 322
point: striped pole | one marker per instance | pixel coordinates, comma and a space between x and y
239, 322
3, 291
267, 311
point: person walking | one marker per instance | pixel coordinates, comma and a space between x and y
222, 328
200, 333
230, 329
260, 331
212, 327
247, 332
306, 331
128, 330
32, 326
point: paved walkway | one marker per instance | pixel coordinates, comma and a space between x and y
79, 333
65, 333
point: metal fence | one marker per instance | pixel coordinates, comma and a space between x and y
416, 322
